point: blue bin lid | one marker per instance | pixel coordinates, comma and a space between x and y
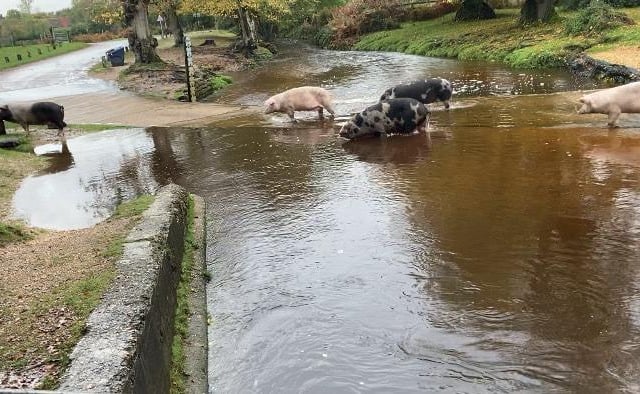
116, 49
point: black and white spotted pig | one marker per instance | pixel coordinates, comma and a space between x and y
426, 91
39, 113
401, 115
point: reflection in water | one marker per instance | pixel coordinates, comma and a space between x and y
397, 149
86, 180
500, 258
60, 157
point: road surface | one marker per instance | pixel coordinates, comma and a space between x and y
65, 80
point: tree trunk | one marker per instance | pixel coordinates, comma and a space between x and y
248, 29
537, 10
472, 10
141, 42
175, 27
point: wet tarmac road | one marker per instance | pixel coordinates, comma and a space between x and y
64, 75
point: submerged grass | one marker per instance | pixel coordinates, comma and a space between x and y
500, 40
181, 325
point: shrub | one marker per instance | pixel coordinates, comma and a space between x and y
596, 18
363, 16
577, 4
99, 37
220, 81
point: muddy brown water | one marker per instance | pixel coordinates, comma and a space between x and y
503, 255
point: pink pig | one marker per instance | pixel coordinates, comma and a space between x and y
304, 98
614, 101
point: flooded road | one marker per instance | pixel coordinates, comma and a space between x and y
502, 256
59, 76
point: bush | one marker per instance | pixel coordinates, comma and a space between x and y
220, 81
99, 37
596, 18
577, 4
426, 12
363, 16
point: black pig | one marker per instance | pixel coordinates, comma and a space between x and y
426, 91
39, 113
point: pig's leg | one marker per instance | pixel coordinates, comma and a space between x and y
331, 110
291, 115
25, 126
613, 116
320, 113
446, 104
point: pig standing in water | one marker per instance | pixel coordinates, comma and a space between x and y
426, 91
305, 98
614, 101
39, 113
402, 115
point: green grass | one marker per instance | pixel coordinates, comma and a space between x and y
127, 209
220, 81
222, 37
624, 35
14, 133
181, 325
46, 51
134, 207
499, 40
95, 127
13, 232
15, 164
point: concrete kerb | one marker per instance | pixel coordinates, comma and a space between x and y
127, 346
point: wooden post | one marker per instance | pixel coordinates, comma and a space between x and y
188, 60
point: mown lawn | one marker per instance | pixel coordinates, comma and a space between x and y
32, 53
501, 39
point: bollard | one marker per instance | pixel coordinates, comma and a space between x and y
6, 59
19, 56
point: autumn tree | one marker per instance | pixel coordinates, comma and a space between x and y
170, 9
26, 6
141, 42
247, 12
95, 16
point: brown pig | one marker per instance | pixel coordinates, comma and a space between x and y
613, 102
304, 98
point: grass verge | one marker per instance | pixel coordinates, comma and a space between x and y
500, 40
181, 325
33, 53
51, 284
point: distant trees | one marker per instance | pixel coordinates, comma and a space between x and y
247, 12
25, 6
17, 26
170, 10
95, 16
